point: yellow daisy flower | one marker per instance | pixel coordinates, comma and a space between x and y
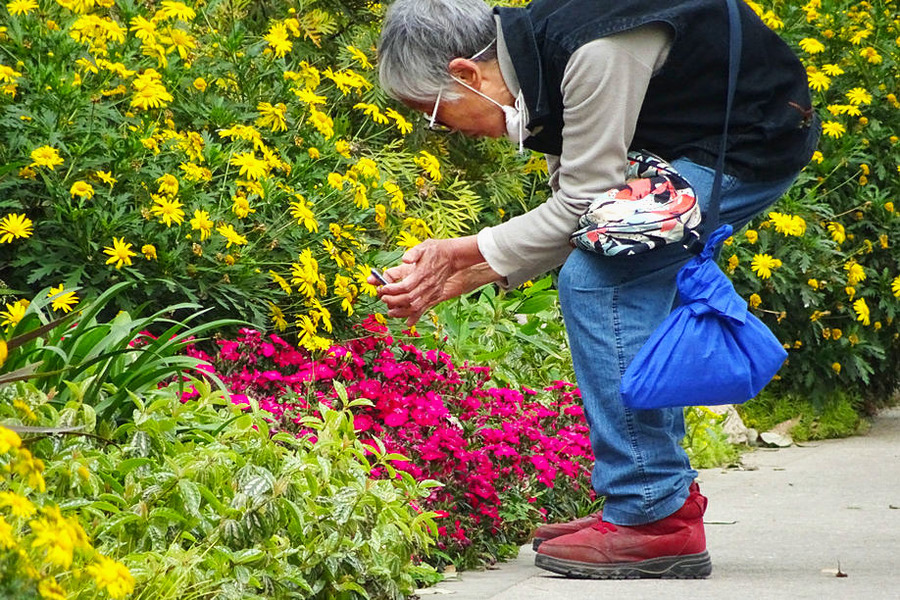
232, 236
819, 81
110, 575
14, 226
811, 46
168, 185
859, 96
18, 506
167, 210
175, 10
855, 272
82, 190
11, 316
202, 223
46, 156
120, 253
762, 265
21, 7
273, 116
862, 311
278, 39
250, 166
106, 177
62, 301
837, 232
833, 129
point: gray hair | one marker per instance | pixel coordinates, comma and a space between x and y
419, 38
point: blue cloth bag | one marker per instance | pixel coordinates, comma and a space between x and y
709, 350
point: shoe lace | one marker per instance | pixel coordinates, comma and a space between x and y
604, 527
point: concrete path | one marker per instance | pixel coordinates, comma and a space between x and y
778, 529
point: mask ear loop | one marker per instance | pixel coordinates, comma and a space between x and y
483, 50
520, 102
437, 102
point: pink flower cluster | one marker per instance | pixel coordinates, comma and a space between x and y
482, 443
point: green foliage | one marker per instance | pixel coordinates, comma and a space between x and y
705, 442
200, 500
44, 554
519, 334
834, 296
837, 415
103, 363
233, 154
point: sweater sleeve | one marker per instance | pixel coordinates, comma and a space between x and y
603, 88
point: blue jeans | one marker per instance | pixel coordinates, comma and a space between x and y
611, 307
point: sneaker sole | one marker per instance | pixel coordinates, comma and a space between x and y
690, 566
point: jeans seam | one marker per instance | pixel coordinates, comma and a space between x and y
629, 415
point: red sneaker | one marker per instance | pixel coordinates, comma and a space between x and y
554, 530
674, 547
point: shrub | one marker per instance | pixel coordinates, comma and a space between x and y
231, 154
44, 553
200, 500
838, 415
705, 442
509, 458
832, 289
519, 334
83, 356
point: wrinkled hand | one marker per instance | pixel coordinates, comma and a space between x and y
426, 276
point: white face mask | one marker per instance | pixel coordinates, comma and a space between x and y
515, 124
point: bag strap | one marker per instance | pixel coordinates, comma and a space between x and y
711, 222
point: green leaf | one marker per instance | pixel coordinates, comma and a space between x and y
104, 506
166, 514
350, 586
537, 304
190, 496
117, 522
130, 464
256, 482
539, 285
247, 556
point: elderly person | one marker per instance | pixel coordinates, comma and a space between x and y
584, 81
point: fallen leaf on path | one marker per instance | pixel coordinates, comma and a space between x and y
719, 522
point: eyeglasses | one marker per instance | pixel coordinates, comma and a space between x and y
433, 123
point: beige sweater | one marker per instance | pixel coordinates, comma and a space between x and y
603, 88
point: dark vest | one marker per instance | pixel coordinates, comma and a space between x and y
773, 130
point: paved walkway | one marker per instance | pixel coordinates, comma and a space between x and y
778, 529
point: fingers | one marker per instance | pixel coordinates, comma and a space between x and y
406, 304
415, 253
418, 282
391, 276
413, 295
398, 273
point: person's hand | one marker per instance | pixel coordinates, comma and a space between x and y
418, 283
431, 272
453, 287
459, 283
